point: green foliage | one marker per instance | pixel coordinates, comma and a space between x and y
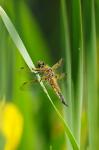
79, 42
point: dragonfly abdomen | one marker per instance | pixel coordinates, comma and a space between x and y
62, 98
56, 88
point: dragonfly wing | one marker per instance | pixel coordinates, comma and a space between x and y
24, 70
58, 64
60, 76
28, 84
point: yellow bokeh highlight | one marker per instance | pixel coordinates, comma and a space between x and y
12, 126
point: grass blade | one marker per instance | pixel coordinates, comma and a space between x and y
92, 73
72, 26
16, 39
19, 44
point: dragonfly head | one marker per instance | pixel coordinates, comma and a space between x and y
40, 64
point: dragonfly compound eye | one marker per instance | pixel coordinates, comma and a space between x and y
40, 64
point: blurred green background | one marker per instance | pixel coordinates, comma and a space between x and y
52, 30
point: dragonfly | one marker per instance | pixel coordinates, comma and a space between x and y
49, 75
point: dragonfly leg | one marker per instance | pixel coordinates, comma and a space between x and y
36, 69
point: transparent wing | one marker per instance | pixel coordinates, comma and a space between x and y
27, 71
27, 85
58, 64
60, 76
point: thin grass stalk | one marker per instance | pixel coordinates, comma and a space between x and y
66, 39
77, 64
92, 73
68, 84
74, 57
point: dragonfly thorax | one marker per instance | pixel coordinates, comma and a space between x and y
49, 73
